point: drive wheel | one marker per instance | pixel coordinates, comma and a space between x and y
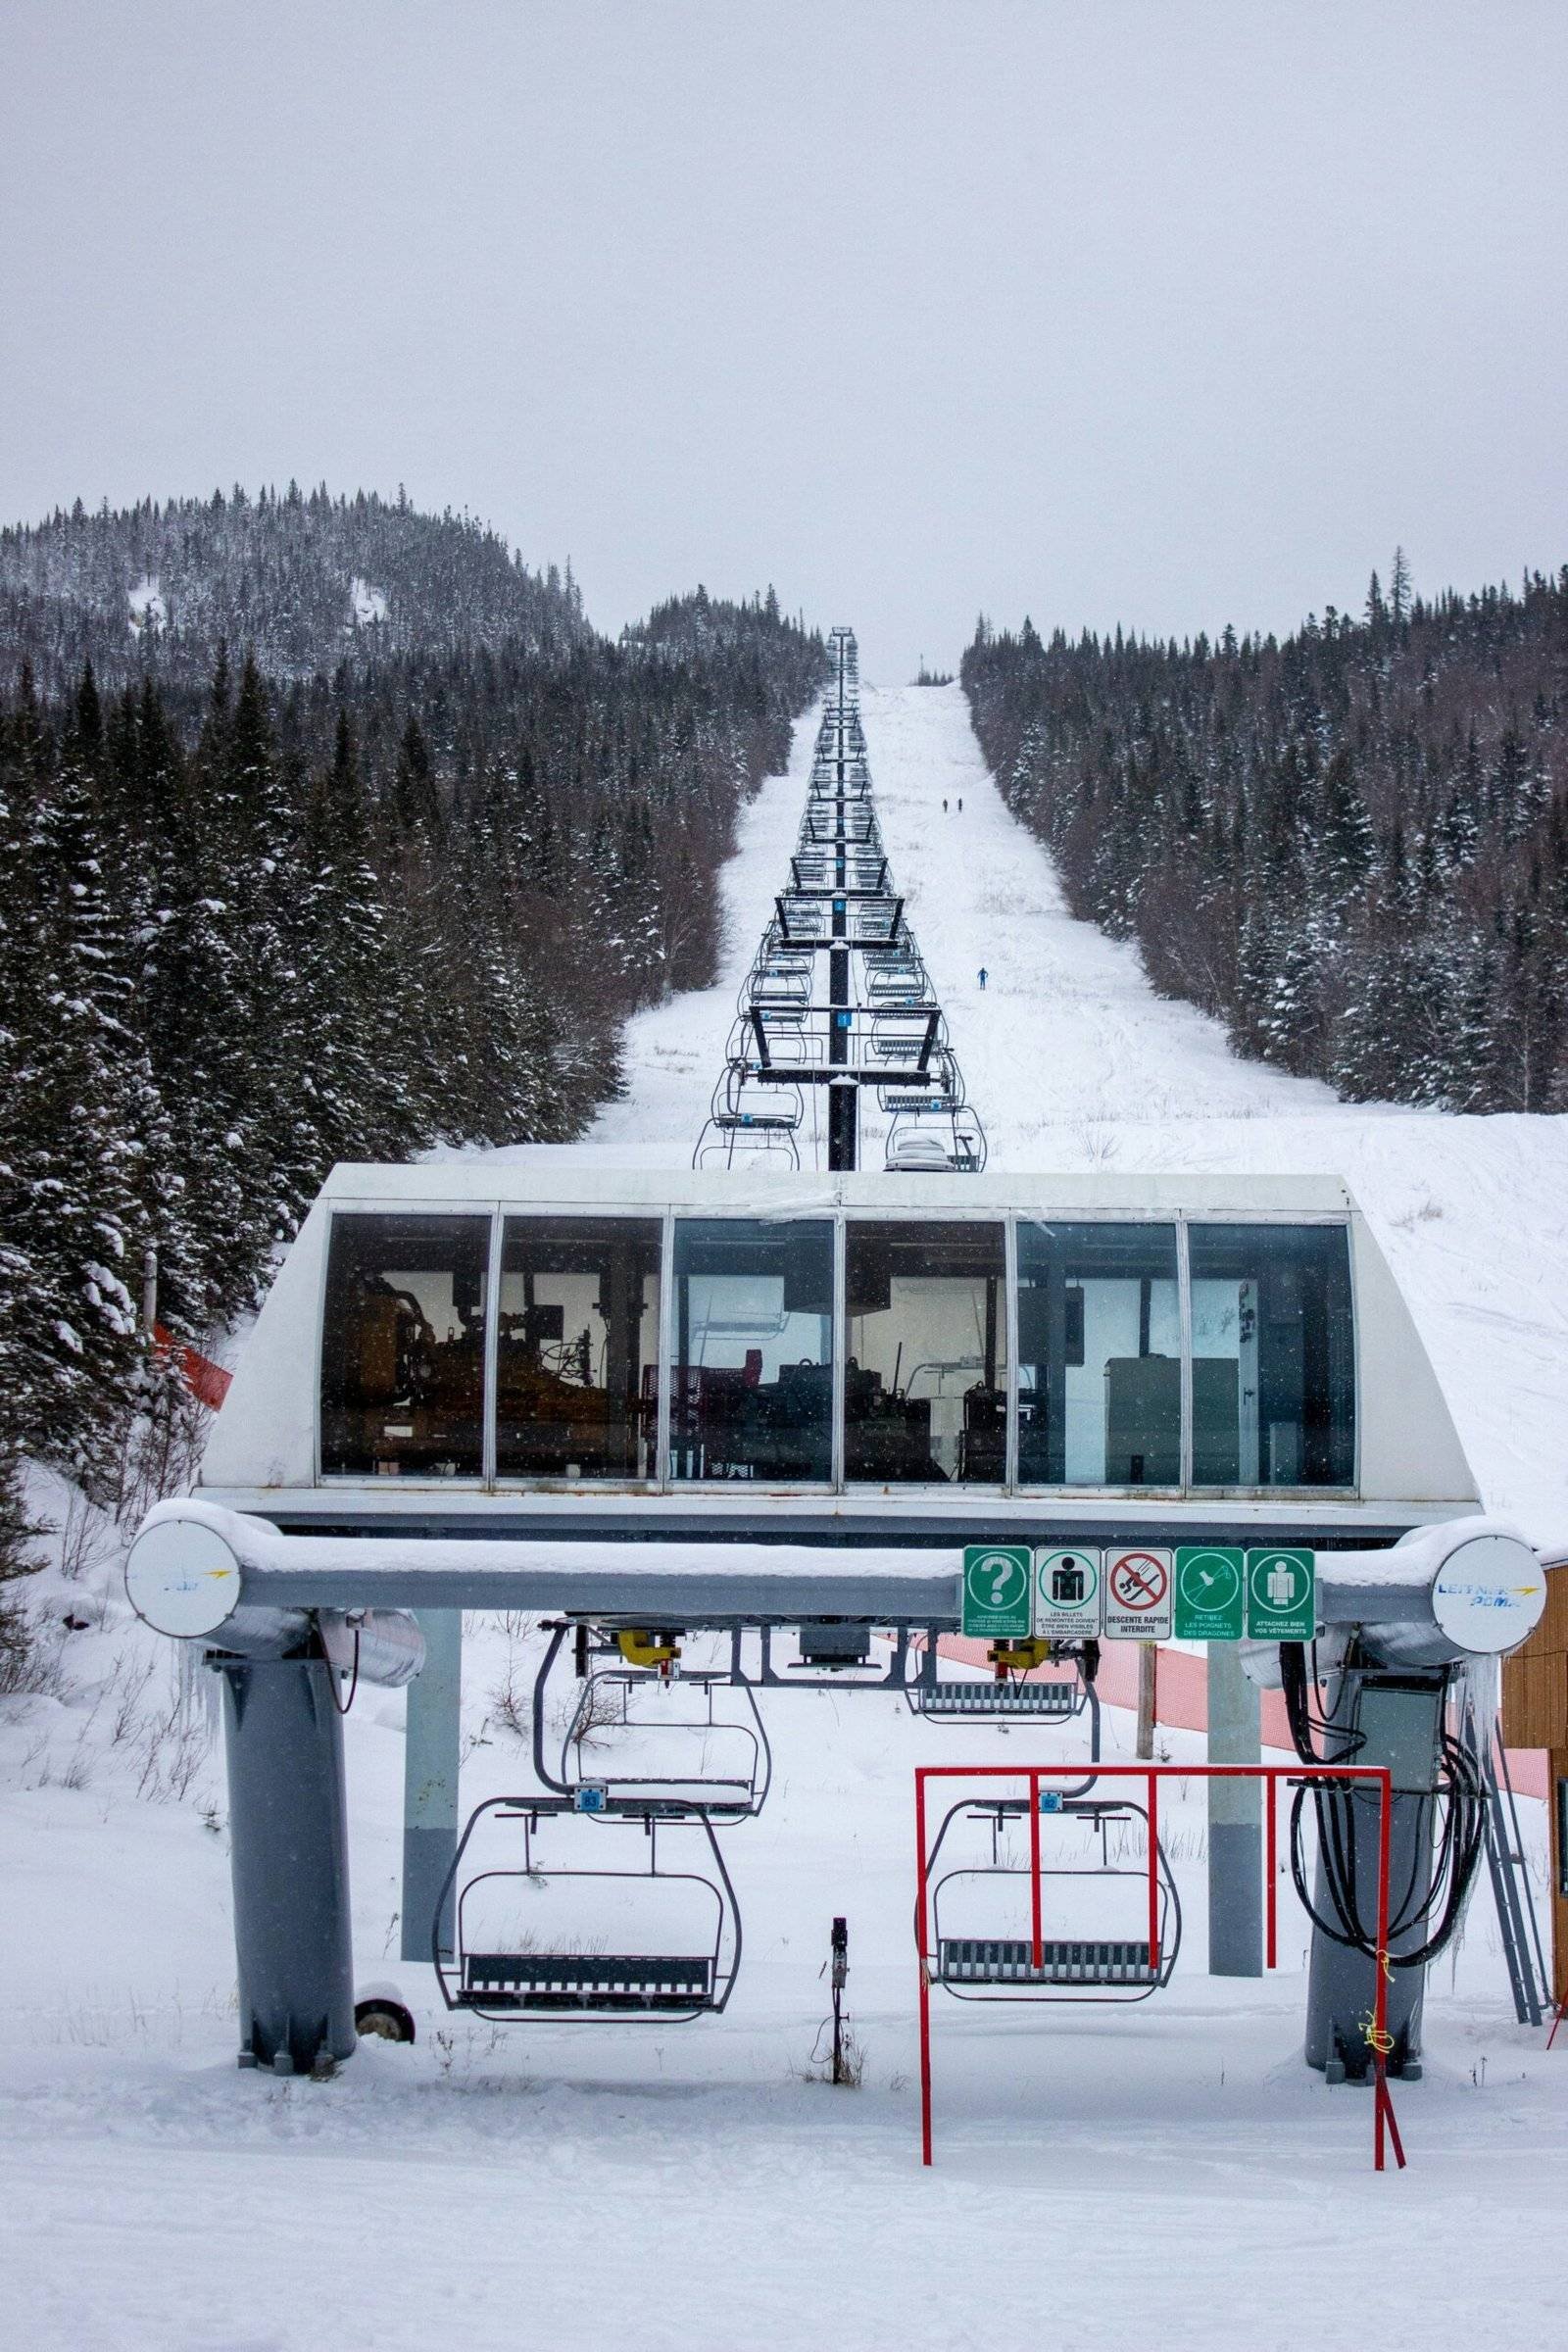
386, 2019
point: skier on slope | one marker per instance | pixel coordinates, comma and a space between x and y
982, 976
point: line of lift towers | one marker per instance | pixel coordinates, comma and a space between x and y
837, 1004
297, 1592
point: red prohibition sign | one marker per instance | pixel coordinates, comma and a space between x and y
1138, 1580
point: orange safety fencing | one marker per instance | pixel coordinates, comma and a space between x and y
207, 1381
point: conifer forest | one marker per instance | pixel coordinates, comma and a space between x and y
328, 833
331, 832
1351, 846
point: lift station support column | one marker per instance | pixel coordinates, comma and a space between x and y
432, 1755
289, 1841
1235, 1820
843, 1124
1394, 1719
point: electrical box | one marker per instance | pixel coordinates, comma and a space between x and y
834, 1646
1399, 1723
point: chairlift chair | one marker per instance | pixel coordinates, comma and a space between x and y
1082, 1966
1003, 1697
938, 1088
880, 922
904, 1032
901, 984
786, 1036
909, 1094
913, 1151
935, 1141
750, 1118
607, 1696
775, 984
500, 1971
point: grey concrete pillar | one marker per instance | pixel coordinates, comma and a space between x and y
430, 1780
289, 1841
1235, 1820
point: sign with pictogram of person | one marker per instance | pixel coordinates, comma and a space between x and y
1280, 1594
1069, 1593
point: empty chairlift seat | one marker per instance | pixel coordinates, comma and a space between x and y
1094, 1924
551, 1887
750, 1119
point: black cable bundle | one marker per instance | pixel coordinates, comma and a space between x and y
1462, 1796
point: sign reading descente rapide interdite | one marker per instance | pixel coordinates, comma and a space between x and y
1138, 1593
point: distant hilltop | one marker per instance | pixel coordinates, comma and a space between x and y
308, 580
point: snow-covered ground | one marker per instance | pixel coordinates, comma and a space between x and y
366, 604
148, 610
1105, 2177
1073, 1062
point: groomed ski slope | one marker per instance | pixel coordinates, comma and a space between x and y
1075, 1062
1166, 2174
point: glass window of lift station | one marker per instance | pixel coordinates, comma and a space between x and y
1273, 1356
752, 1385
925, 1386
403, 1347
1099, 1370
577, 1348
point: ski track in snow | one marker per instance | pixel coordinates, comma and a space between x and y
1165, 2174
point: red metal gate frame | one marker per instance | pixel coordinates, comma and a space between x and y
1384, 2125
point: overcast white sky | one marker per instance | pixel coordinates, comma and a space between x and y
1131, 310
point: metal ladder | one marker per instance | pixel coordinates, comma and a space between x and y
1521, 1947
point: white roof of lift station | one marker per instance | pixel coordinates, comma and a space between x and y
262, 1448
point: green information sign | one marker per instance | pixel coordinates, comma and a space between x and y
1281, 1594
1211, 1593
997, 1591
